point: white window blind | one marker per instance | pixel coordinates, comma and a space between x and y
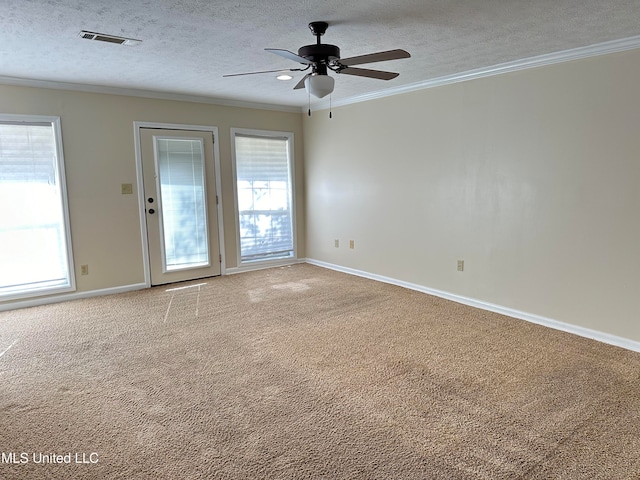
34, 244
182, 195
264, 190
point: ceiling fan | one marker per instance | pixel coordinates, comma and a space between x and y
322, 57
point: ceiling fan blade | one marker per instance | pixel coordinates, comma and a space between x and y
375, 57
300, 84
289, 55
265, 71
365, 72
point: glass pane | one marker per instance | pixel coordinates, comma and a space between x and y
245, 196
182, 196
32, 224
264, 197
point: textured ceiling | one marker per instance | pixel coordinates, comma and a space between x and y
187, 45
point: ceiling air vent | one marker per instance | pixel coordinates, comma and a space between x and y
102, 37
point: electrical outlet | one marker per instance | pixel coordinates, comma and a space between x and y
336, 243
84, 269
352, 244
460, 265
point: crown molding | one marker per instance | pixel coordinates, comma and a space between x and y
132, 92
613, 46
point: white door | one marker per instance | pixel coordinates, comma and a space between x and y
180, 200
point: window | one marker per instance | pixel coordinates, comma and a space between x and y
264, 192
35, 249
182, 196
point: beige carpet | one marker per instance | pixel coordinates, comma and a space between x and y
302, 372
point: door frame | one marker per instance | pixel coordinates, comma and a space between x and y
140, 187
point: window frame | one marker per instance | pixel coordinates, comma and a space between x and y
289, 136
55, 123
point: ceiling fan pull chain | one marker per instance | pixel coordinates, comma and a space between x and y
330, 114
309, 100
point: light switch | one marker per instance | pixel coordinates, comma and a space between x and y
127, 188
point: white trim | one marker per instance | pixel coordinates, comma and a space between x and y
529, 317
142, 213
132, 92
218, 180
34, 302
613, 46
137, 125
57, 129
603, 48
234, 181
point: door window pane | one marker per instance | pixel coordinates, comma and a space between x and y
182, 197
264, 190
34, 245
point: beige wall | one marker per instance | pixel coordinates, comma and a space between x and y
98, 142
532, 178
529, 177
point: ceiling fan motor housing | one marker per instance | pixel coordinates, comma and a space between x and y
322, 53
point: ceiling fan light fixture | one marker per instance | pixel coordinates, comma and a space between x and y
319, 85
284, 77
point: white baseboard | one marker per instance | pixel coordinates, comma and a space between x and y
529, 317
33, 302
